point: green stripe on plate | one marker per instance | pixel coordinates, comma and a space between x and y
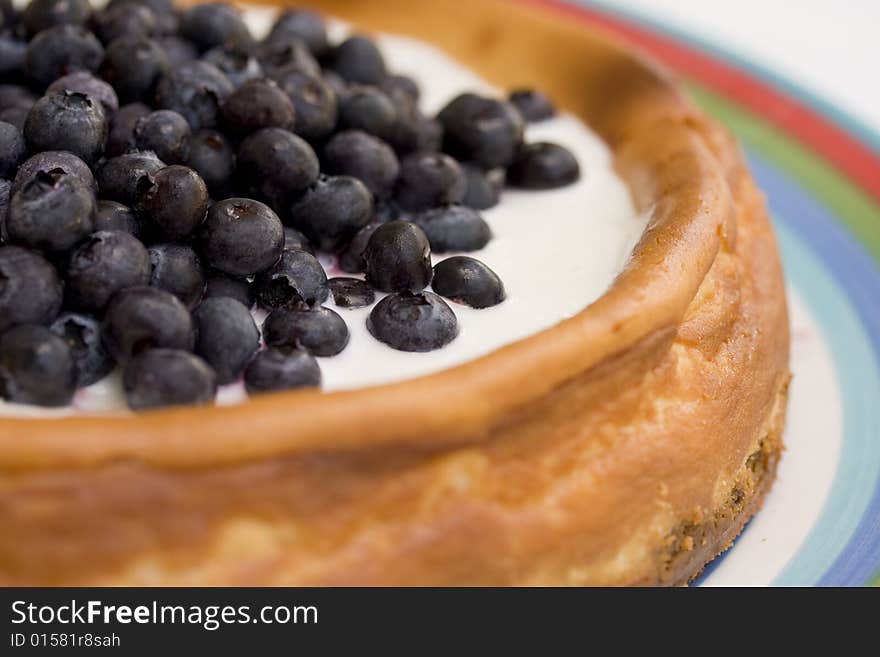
856, 209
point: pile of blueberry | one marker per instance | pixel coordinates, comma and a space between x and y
162, 173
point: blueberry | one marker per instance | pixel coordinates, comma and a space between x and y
52, 211
119, 176
68, 121
543, 166
239, 67
483, 130
240, 237
132, 65
127, 19
276, 165
332, 211
257, 104
195, 90
167, 21
222, 285
86, 83
351, 258
30, 290
302, 25
333, 80
357, 59
213, 157
454, 228
369, 110
166, 133
36, 367
274, 369
175, 199
143, 318
5, 191
482, 188
179, 51
15, 94
297, 278
111, 215
428, 180
104, 264
120, 133
295, 240
277, 57
533, 105
468, 281
226, 336
168, 377
12, 149
215, 24
355, 153
177, 269
15, 115
39, 15
314, 102
414, 132
398, 258
320, 331
82, 334
12, 55
351, 292
54, 162
413, 322
401, 86
60, 50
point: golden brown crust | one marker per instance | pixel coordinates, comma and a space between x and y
605, 450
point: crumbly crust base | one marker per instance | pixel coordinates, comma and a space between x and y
627, 445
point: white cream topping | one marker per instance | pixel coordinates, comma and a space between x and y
556, 251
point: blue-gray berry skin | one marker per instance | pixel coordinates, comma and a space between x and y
238, 66
120, 132
398, 258
195, 90
119, 177
533, 105
179, 51
351, 258
164, 132
68, 121
85, 82
543, 166
5, 191
51, 212
174, 199
273, 370
177, 269
295, 240
60, 50
321, 331
82, 334
54, 161
357, 59
257, 104
314, 102
468, 281
105, 263
129, 18
36, 367
12, 149
413, 322
226, 336
133, 64
168, 377
276, 166
110, 215
482, 188
357, 154
332, 211
223, 285
30, 289
39, 15
351, 292
240, 237
428, 180
454, 228
368, 109
276, 58
213, 157
302, 25
216, 24
486, 131
298, 277
142, 318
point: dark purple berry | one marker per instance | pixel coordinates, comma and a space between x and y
60, 50
369, 110
177, 269
428, 180
468, 281
278, 57
85, 82
483, 188
257, 104
12, 149
142, 318
413, 322
275, 369
168, 377
321, 331
39, 15
13, 51
240, 237
111, 215
226, 336
82, 334
351, 258
295, 240
15, 94
15, 115
30, 290
355, 153
314, 102
167, 20
107, 262
195, 90
357, 59
351, 292
68, 121
276, 165
54, 162
533, 105
543, 166
303, 25
332, 211
166, 133
238, 66
179, 51
223, 285
216, 24
120, 176
213, 157
120, 135
398, 258
454, 228
36, 367
297, 278
401, 86
413, 132
175, 199
128, 19
482, 130
132, 65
